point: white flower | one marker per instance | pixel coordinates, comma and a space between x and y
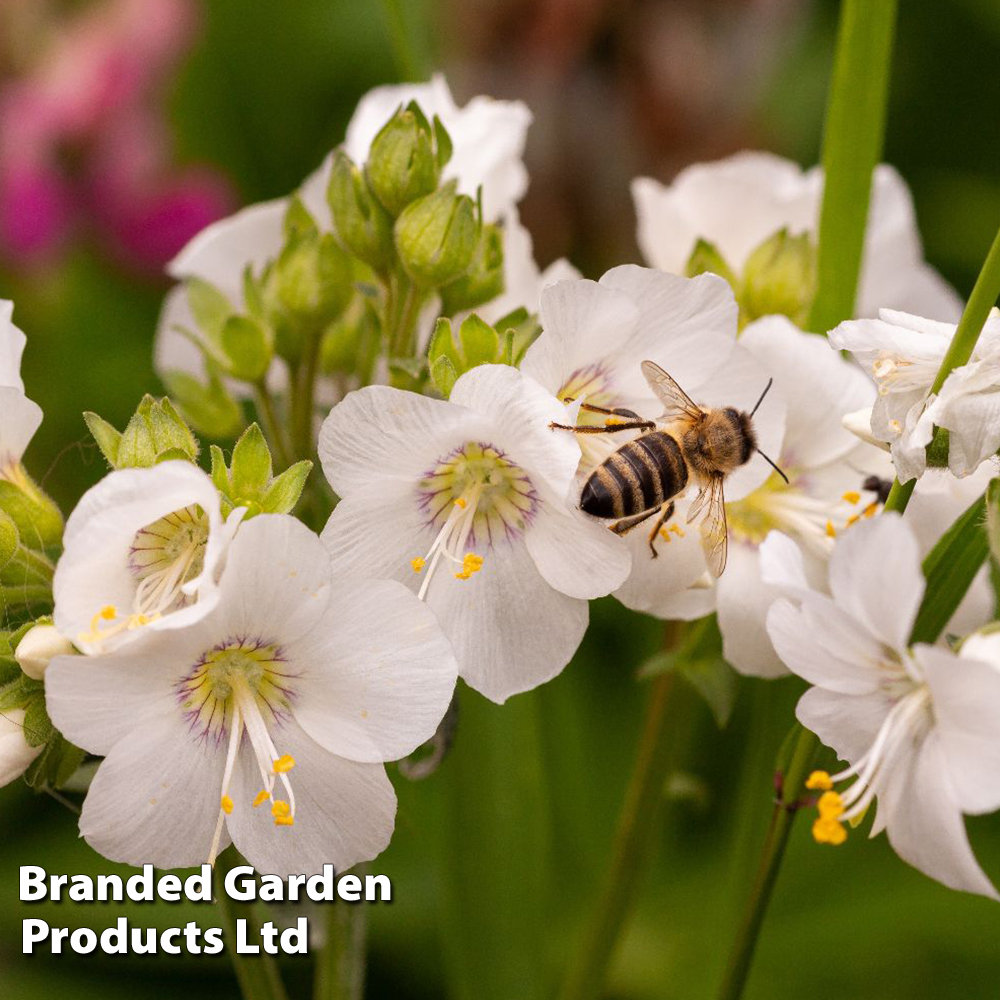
467, 501
903, 353
19, 416
15, 754
737, 203
919, 728
267, 722
142, 550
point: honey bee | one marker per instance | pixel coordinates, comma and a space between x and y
690, 445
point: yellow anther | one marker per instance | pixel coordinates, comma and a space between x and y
284, 821
108, 612
280, 809
896, 426
677, 530
665, 535
819, 781
870, 510
470, 564
831, 531
261, 796
464, 575
283, 764
830, 805
417, 564
460, 502
828, 831
852, 519
613, 421
852, 496
227, 804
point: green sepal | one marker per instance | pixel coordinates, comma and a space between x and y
484, 279
699, 661
247, 348
298, 221
362, 225
480, 342
250, 468
443, 375
209, 307
705, 258
284, 492
108, 439
443, 144
437, 235
155, 430
10, 538
38, 520
402, 161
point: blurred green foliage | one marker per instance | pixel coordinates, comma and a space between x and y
497, 855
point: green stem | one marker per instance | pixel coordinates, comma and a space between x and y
963, 343
402, 343
272, 428
303, 399
257, 975
793, 787
588, 967
409, 61
852, 147
340, 965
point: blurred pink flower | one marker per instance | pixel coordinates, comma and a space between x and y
83, 140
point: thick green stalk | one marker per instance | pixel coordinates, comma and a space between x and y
785, 808
304, 398
409, 60
984, 296
269, 421
340, 965
589, 964
257, 975
852, 147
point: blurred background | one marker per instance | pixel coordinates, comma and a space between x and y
128, 125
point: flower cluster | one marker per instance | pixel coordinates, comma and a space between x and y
481, 423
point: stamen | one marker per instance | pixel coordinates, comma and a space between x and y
227, 804
283, 764
831, 531
819, 780
417, 564
262, 796
852, 496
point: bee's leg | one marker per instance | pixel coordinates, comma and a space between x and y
619, 411
626, 524
666, 512
638, 424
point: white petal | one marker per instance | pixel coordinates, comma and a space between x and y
584, 325
818, 386
15, 754
519, 412
965, 692
876, 577
19, 421
823, 645
661, 586
12, 342
848, 723
93, 570
391, 438
344, 811
743, 602
924, 822
968, 406
96, 701
276, 583
575, 554
377, 673
155, 798
220, 253
782, 565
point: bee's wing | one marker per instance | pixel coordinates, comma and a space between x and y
714, 532
676, 401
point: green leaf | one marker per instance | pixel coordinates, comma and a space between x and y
38, 728
107, 438
950, 568
497, 852
284, 492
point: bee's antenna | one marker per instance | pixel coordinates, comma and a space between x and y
763, 456
767, 387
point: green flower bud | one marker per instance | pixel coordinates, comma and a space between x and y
402, 165
363, 225
705, 258
779, 279
478, 344
484, 279
34, 514
210, 409
437, 235
155, 433
351, 343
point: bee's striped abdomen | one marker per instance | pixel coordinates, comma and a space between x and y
640, 475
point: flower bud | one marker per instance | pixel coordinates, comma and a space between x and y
209, 408
32, 511
362, 224
437, 235
155, 433
401, 163
705, 258
38, 646
779, 279
15, 754
484, 279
